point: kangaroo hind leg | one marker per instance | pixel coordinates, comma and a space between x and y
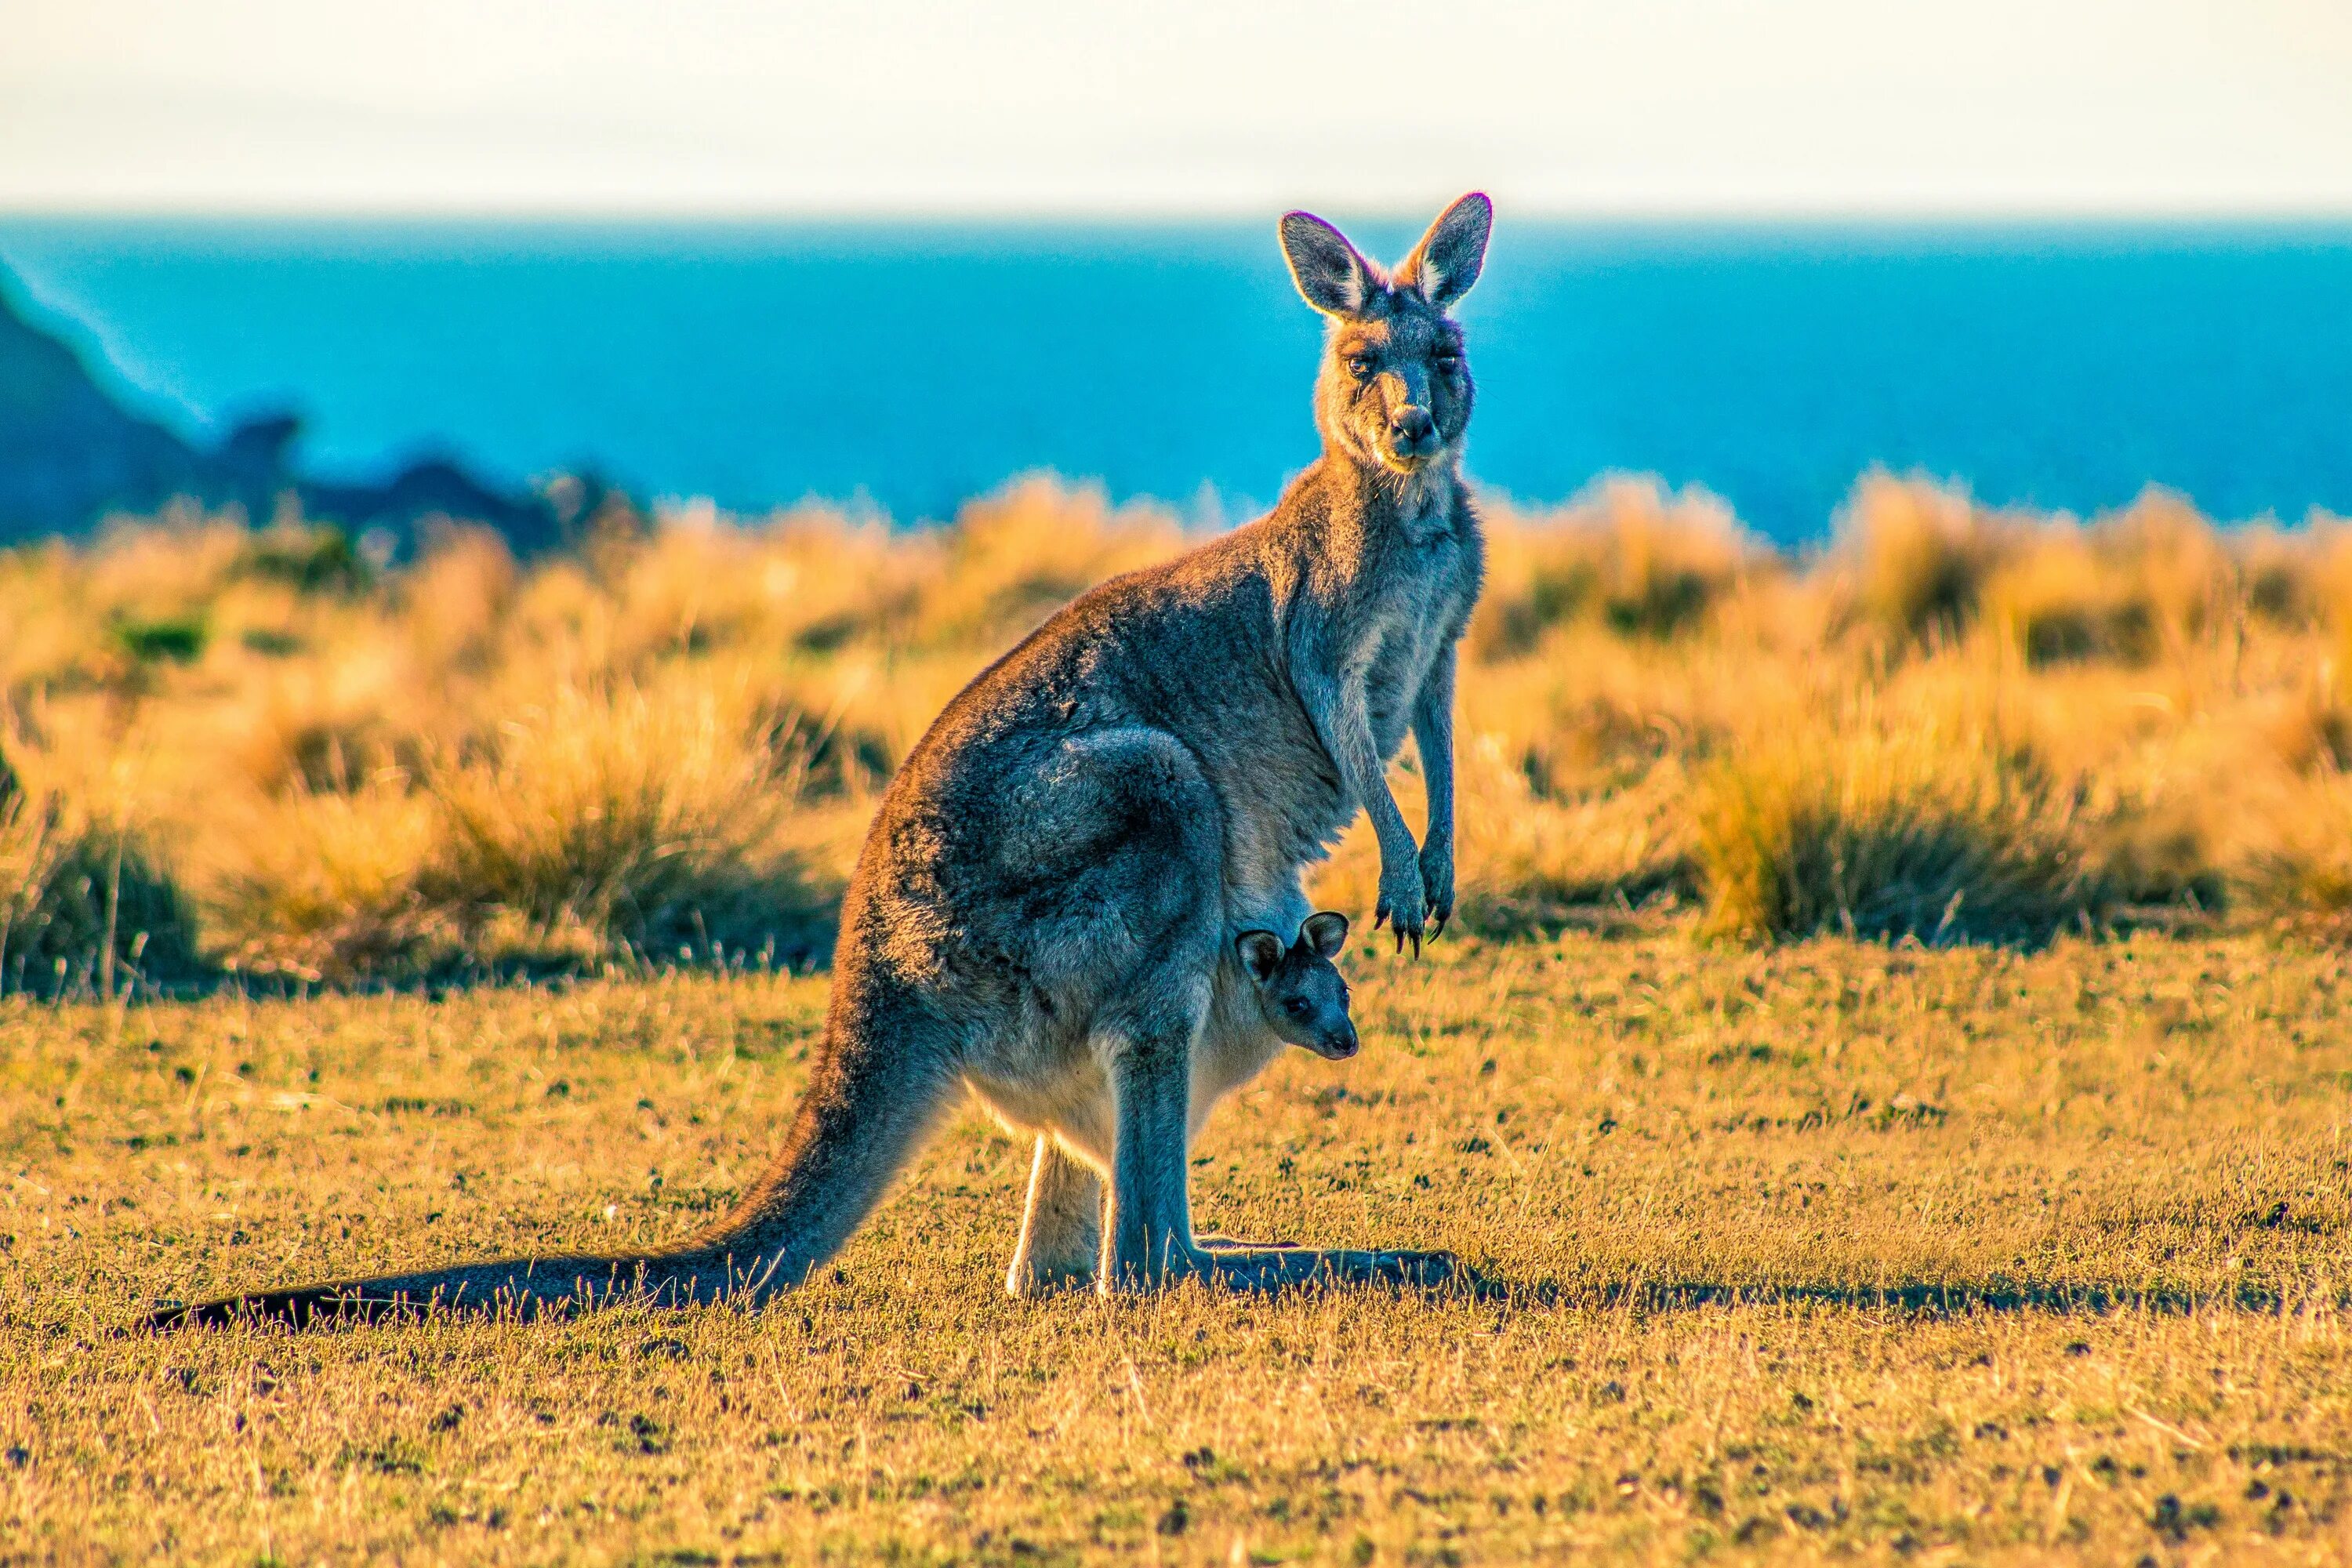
1148, 1225
1061, 1225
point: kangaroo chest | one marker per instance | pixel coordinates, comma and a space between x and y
1413, 613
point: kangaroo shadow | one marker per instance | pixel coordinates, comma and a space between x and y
1915, 1299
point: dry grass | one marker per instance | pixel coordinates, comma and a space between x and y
84, 903
663, 746
1917, 825
1820, 1251
1625, 555
1911, 558
648, 820
326, 886
2297, 858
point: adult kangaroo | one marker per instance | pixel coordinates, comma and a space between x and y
1049, 905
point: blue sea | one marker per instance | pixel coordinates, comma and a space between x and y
907, 366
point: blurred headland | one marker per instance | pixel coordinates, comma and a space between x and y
73, 452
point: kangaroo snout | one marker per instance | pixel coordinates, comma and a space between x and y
1411, 432
1337, 1048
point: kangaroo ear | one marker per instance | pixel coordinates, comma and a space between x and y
1260, 953
1326, 933
1449, 257
1334, 279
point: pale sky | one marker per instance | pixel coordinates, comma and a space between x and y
1225, 106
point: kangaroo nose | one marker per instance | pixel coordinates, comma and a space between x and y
1410, 427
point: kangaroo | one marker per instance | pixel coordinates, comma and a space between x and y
1047, 910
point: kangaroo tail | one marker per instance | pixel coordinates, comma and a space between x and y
872, 1101
521, 1285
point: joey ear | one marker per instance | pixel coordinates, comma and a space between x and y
1326, 933
1329, 273
1450, 256
1260, 953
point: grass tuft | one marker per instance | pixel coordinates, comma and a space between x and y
2294, 867
627, 820
1626, 555
1917, 827
85, 908
1914, 556
330, 888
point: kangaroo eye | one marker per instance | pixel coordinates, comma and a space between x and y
1359, 364
1296, 1007
1449, 359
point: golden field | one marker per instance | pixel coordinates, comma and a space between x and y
1822, 1251
249, 755
1890, 1075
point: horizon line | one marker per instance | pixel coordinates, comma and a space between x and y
1148, 216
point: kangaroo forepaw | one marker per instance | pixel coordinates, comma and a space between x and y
1404, 911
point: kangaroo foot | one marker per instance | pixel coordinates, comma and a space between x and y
1298, 1268
1306, 1265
